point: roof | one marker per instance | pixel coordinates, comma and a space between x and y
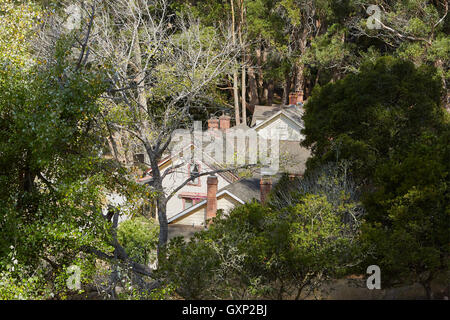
245, 189
241, 126
202, 203
265, 112
208, 160
248, 189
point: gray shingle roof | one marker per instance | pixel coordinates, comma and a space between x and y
245, 189
265, 112
248, 189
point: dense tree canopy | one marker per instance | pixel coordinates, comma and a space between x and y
373, 115
76, 105
388, 120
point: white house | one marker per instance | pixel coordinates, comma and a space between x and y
194, 191
287, 120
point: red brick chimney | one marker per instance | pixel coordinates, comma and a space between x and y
211, 199
300, 96
213, 124
296, 97
265, 187
292, 98
224, 121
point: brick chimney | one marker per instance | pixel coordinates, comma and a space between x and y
265, 187
296, 97
213, 124
211, 199
292, 98
224, 121
300, 96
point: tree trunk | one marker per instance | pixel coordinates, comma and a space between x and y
428, 292
299, 66
299, 77
161, 200
253, 86
426, 283
445, 103
243, 83
243, 95
265, 85
235, 75
137, 60
270, 90
286, 88
163, 224
260, 82
139, 79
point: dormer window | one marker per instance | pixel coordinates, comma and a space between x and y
194, 171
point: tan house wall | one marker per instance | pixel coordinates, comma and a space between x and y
226, 203
173, 180
195, 218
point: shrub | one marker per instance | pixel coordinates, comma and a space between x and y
139, 237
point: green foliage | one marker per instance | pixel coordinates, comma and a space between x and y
17, 24
409, 214
164, 293
371, 115
386, 118
389, 121
52, 194
139, 237
257, 252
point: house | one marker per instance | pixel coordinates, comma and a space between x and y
239, 192
287, 121
179, 170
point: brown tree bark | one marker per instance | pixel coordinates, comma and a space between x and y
270, 91
235, 75
299, 66
262, 85
243, 72
253, 86
286, 88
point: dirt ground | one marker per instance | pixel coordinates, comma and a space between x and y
355, 289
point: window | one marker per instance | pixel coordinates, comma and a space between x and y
193, 171
191, 198
188, 203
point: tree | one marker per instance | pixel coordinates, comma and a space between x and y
52, 170
256, 252
51, 197
409, 215
16, 30
412, 30
389, 120
163, 67
369, 116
